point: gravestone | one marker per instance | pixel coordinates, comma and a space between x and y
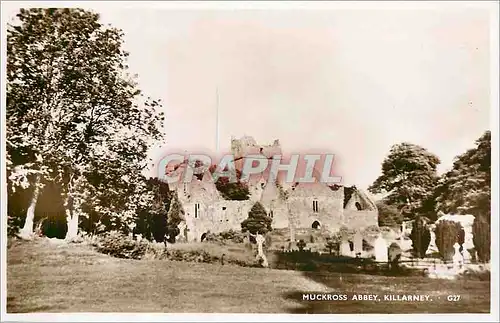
358, 244
380, 249
345, 249
466, 255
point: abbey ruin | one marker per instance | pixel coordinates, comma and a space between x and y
297, 206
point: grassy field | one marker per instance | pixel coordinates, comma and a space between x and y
49, 276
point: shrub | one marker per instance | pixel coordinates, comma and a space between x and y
175, 216
118, 245
152, 219
213, 237
234, 236
447, 233
210, 253
388, 215
301, 245
420, 237
394, 255
332, 243
345, 233
222, 237
371, 232
482, 238
257, 220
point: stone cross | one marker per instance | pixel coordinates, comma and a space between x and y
260, 251
466, 255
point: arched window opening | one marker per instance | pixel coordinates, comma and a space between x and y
358, 206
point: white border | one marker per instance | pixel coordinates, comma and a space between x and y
303, 5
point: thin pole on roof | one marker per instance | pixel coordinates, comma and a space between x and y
217, 120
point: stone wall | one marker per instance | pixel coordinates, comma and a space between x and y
248, 146
307, 203
360, 219
280, 215
214, 217
359, 201
328, 215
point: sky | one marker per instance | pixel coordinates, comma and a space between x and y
352, 82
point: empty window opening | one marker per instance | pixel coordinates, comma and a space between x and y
271, 214
358, 206
316, 225
223, 208
315, 207
196, 210
203, 236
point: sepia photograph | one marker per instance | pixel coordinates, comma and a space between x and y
249, 161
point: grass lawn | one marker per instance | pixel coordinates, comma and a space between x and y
45, 276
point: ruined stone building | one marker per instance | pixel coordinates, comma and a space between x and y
301, 205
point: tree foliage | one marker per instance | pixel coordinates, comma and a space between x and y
257, 221
152, 219
482, 238
74, 115
408, 177
333, 243
420, 236
175, 217
234, 191
466, 188
388, 215
447, 234
301, 244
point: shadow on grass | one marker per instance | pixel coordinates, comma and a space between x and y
349, 277
13, 306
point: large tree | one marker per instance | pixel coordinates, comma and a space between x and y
74, 115
466, 188
388, 215
408, 177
